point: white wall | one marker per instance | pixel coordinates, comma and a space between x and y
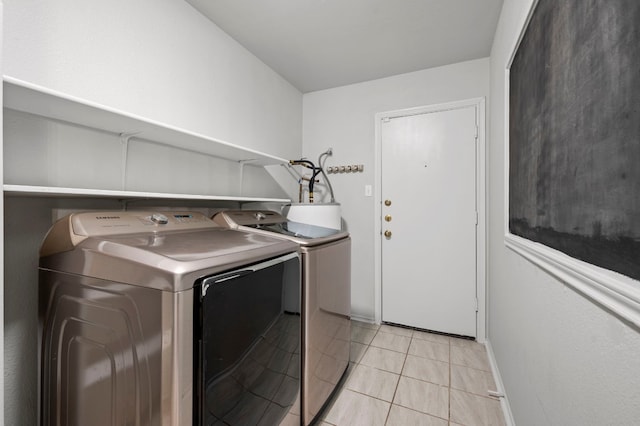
343, 118
563, 359
159, 59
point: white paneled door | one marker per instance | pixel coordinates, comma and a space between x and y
429, 220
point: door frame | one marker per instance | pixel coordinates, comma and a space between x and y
481, 229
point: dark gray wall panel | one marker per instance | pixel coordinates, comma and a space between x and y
574, 136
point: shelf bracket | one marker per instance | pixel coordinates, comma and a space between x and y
241, 180
124, 141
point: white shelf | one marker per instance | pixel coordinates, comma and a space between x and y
26, 97
49, 191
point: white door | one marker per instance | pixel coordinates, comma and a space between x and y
429, 210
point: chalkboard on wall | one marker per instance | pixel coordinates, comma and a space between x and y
574, 132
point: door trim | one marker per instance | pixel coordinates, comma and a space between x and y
481, 230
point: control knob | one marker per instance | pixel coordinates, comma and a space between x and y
160, 219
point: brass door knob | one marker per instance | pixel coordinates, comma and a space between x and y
387, 203
387, 233
388, 218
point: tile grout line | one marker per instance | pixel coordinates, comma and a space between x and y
421, 380
386, 419
399, 375
450, 374
412, 338
399, 378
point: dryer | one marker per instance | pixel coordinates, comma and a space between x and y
152, 318
326, 298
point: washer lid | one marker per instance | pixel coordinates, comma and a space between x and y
267, 221
217, 247
296, 229
170, 259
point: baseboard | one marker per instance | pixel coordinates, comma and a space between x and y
363, 319
504, 400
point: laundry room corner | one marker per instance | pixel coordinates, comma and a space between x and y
343, 119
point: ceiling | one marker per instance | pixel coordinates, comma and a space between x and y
319, 44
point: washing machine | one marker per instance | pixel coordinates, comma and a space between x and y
326, 298
165, 318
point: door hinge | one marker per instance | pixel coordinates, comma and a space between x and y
476, 304
476, 217
477, 132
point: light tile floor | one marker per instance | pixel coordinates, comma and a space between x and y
400, 377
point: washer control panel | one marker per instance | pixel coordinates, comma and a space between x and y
131, 222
